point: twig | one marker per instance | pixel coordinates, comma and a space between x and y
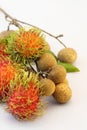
16, 23
11, 20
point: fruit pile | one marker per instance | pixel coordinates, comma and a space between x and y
22, 87
30, 71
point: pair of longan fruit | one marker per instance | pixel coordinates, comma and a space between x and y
47, 60
61, 92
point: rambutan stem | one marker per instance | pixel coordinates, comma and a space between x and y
16, 22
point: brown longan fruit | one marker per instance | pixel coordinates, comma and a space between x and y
63, 93
48, 87
5, 33
46, 61
68, 55
57, 74
65, 81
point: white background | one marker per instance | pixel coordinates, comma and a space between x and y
68, 17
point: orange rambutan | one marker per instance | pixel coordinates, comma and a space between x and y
26, 44
25, 102
7, 73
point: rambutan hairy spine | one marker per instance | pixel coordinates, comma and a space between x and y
25, 100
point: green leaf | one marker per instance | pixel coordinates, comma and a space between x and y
69, 67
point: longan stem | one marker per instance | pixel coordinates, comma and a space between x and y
16, 23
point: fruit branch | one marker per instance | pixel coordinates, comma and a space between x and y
11, 19
16, 22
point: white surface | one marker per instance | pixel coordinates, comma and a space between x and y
55, 16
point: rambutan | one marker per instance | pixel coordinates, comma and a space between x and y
24, 102
3, 54
27, 45
7, 73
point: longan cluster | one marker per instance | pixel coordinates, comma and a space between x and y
55, 82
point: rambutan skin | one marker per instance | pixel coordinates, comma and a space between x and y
3, 54
24, 102
7, 73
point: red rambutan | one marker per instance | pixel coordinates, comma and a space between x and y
3, 54
7, 73
24, 102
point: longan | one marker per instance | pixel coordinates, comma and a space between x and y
48, 87
68, 55
46, 61
63, 93
65, 81
57, 74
